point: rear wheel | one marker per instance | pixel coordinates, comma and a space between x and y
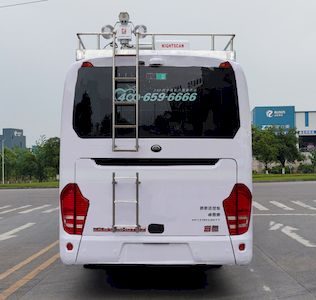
90, 266
217, 266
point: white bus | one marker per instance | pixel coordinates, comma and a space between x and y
155, 152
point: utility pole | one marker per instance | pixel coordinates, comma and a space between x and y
3, 161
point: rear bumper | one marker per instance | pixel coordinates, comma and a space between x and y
186, 250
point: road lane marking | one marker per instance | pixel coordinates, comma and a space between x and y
15, 286
300, 203
259, 206
50, 210
288, 230
281, 205
266, 288
32, 209
6, 206
14, 209
11, 234
275, 226
27, 261
311, 215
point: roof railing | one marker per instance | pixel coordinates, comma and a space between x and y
214, 37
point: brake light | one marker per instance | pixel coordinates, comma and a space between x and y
74, 209
225, 65
238, 209
87, 64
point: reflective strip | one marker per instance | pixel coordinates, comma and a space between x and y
242, 225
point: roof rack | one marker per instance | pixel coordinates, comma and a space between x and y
86, 50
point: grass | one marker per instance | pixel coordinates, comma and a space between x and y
256, 178
285, 177
32, 185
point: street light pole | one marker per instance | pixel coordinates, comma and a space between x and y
3, 161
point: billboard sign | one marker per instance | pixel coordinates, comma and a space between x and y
276, 116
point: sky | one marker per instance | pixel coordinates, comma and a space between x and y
275, 44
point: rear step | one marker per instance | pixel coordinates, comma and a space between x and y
126, 227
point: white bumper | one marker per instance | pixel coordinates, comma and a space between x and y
186, 250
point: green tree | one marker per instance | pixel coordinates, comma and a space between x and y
26, 164
47, 157
9, 164
264, 146
313, 159
287, 149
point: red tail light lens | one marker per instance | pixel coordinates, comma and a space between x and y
238, 209
87, 64
225, 65
74, 209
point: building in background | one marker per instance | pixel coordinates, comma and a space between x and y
306, 126
276, 116
13, 138
286, 117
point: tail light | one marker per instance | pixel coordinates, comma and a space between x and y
74, 209
238, 209
87, 64
225, 65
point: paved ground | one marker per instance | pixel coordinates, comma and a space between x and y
284, 264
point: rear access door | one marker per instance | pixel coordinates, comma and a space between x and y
156, 196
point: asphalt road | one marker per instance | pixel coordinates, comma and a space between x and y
284, 264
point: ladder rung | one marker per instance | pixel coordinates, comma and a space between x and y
126, 226
125, 78
123, 54
125, 201
131, 103
125, 150
125, 126
126, 177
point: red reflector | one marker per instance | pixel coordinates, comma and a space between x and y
225, 65
86, 64
242, 247
238, 209
74, 209
69, 246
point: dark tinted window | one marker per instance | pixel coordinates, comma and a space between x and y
174, 102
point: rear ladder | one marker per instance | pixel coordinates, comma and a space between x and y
136, 226
116, 103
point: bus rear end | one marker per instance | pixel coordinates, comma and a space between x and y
184, 197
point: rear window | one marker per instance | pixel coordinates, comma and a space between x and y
177, 102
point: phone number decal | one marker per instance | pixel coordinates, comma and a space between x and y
130, 95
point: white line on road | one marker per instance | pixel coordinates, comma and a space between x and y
6, 206
266, 288
300, 203
275, 226
50, 210
14, 209
259, 206
10, 234
288, 230
310, 215
281, 205
32, 209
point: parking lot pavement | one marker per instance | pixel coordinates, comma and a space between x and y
284, 264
